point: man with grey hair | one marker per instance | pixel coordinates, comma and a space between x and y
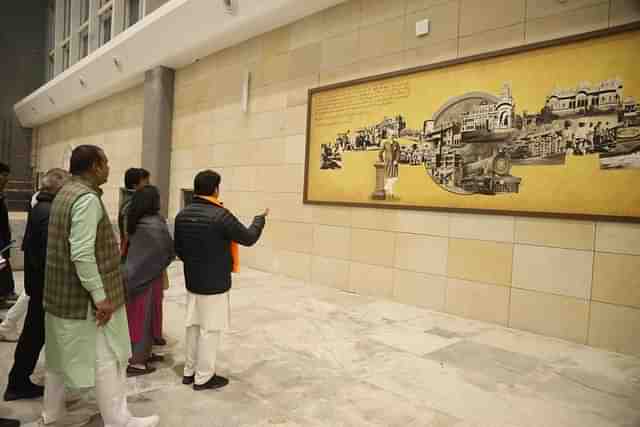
35, 249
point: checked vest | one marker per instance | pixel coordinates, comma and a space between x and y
64, 296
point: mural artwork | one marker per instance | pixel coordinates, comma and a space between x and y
521, 133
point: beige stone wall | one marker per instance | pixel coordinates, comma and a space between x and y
573, 280
115, 124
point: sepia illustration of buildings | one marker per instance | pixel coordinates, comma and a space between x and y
471, 143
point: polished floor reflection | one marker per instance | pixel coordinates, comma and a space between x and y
302, 355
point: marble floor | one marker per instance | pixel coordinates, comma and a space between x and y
301, 355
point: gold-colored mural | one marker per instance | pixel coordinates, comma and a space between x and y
549, 131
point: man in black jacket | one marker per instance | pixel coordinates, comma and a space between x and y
206, 239
35, 254
7, 285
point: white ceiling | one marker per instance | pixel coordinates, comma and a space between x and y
172, 36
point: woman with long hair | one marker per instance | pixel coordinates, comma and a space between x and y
150, 253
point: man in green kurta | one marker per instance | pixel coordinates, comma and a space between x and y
86, 332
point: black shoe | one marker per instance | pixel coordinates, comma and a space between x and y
188, 380
6, 422
215, 382
31, 391
134, 371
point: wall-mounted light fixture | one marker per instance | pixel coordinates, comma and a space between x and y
82, 83
117, 63
51, 100
229, 6
245, 91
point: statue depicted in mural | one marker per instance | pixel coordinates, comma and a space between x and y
390, 156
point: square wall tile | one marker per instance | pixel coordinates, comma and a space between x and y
546, 314
248, 257
421, 222
382, 39
372, 280
424, 254
431, 53
422, 290
416, 5
287, 207
342, 18
615, 328
340, 50
480, 261
296, 120
269, 124
372, 247
330, 215
480, 301
541, 8
265, 259
616, 279
555, 232
478, 16
381, 64
294, 265
295, 149
270, 151
618, 237
492, 40
306, 31
373, 219
275, 69
566, 24
330, 272
331, 241
305, 60
277, 41
298, 90
482, 227
377, 11
268, 98
340, 74
280, 179
244, 179
292, 236
624, 12
559, 271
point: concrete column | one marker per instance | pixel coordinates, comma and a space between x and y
156, 129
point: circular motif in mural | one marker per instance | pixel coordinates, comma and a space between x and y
468, 134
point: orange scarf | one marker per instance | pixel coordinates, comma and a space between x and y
235, 252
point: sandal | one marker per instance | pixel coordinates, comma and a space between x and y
133, 371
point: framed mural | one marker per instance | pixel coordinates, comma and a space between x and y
551, 129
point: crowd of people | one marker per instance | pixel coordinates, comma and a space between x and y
94, 302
